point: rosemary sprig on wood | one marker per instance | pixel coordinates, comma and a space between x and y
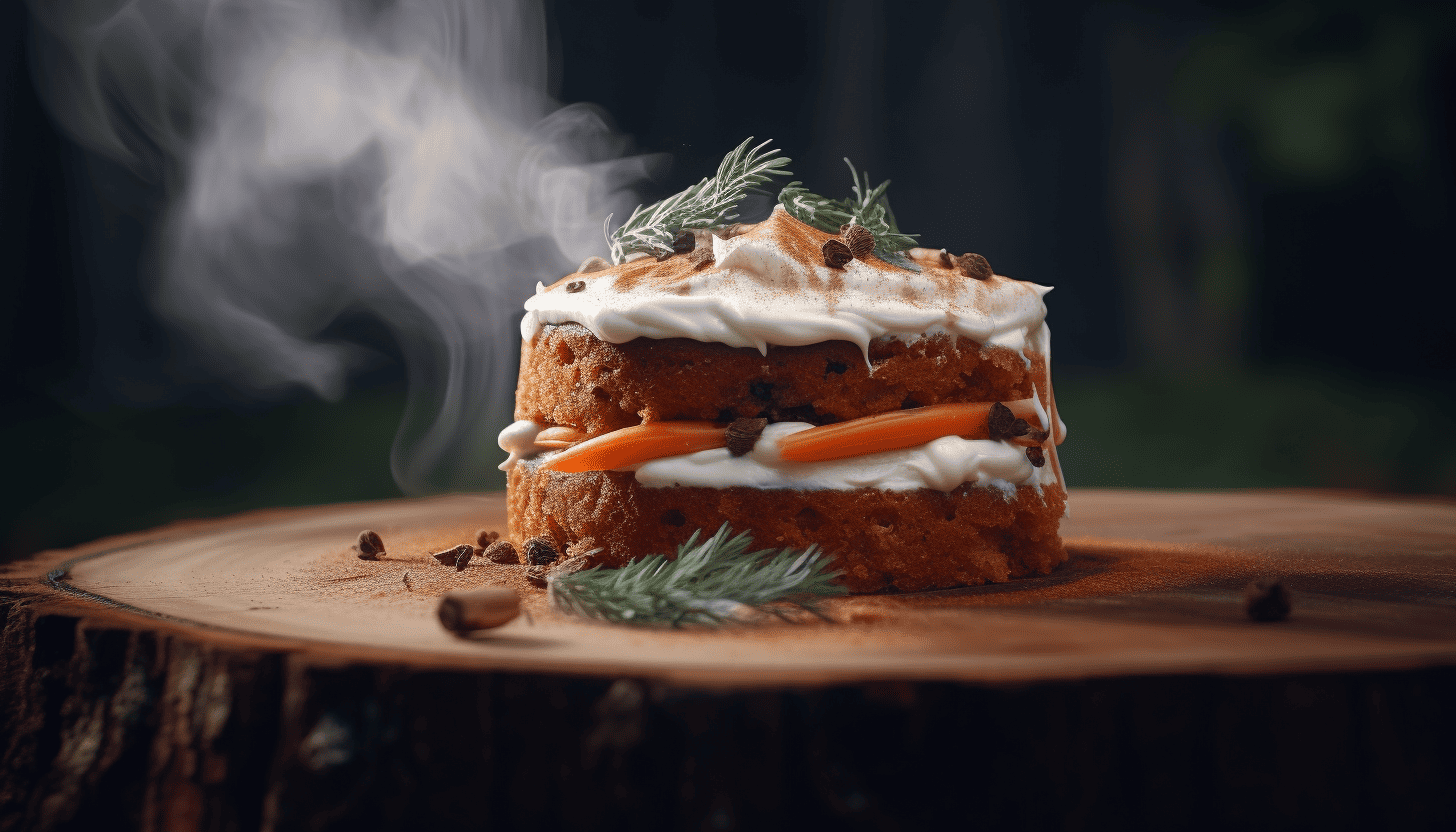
708, 204
709, 583
868, 207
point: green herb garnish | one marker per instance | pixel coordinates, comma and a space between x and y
868, 207
709, 583
707, 204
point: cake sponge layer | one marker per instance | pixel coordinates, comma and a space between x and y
908, 540
569, 377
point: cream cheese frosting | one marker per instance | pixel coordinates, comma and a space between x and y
770, 286
942, 464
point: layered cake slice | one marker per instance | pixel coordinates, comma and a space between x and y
897, 410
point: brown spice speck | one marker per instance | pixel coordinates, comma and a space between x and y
575, 286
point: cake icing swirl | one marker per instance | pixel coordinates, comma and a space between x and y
769, 286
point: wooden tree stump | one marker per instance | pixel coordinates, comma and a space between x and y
253, 673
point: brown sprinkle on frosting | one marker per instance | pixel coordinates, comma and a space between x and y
859, 239
743, 435
836, 253
974, 265
540, 551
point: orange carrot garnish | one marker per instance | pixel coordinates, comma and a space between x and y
639, 443
559, 437
896, 430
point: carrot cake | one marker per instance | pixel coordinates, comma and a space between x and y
898, 414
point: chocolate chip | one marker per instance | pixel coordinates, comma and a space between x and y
370, 545
743, 435
974, 265
946, 260
501, 551
540, 551
485, 537
1267, 601
684, 242
1002, 424
537, 576
451, 556
1036, 456
836, 253
575, 286
462, 560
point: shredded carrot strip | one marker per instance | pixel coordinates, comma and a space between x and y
896, 430
638, 443
559, 437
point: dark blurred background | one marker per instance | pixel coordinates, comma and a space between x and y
1245, 208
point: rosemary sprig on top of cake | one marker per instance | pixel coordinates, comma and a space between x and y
709, 204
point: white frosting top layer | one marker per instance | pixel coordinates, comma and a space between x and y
770, 286
942, 464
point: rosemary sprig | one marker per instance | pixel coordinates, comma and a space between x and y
708, 204
868, 207
709, 583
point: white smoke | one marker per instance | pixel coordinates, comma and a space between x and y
323, 158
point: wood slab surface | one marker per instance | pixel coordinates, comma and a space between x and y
1154, 586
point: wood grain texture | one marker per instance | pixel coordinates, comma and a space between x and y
208, 676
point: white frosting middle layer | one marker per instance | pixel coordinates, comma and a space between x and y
942, 464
